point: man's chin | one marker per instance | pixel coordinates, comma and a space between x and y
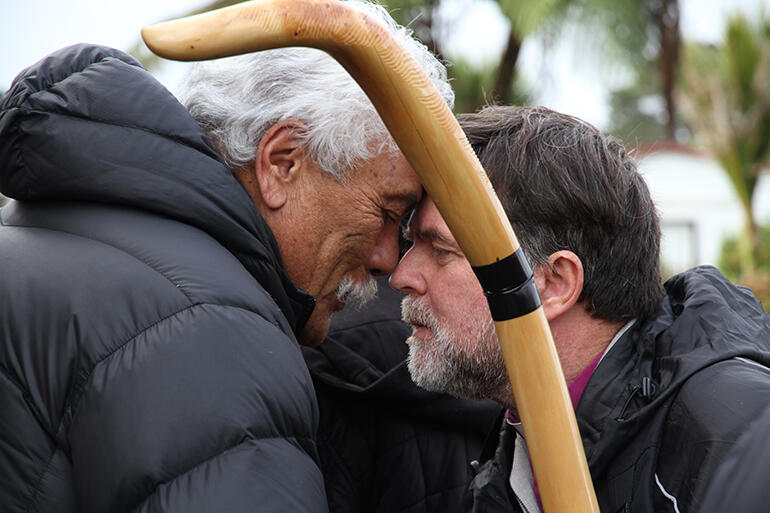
437, 371
423, 367
338, 305
315, 330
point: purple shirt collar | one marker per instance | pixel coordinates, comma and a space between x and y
576, 388
578, 385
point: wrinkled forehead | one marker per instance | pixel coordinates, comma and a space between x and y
393, 179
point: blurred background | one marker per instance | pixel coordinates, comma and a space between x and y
684, 83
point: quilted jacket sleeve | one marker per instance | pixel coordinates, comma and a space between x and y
208, 409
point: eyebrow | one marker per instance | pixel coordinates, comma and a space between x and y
408, 200
433, 235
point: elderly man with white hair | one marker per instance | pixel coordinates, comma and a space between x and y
162, 261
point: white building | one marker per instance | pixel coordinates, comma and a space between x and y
696, 201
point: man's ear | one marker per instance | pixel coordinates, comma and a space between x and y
280, 157
559, 283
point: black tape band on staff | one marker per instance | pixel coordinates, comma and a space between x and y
509, 286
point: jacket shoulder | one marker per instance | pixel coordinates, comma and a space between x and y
710, 412
144, 329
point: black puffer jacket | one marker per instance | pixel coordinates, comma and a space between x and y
147, 352
387, 445
667, 402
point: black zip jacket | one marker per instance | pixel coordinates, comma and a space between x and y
148, 359
666, 404
740, 483
387, 445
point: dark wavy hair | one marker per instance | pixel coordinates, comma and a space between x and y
564, 185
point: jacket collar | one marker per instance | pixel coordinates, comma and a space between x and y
650, 362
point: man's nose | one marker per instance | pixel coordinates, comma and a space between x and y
384, 255
408, 277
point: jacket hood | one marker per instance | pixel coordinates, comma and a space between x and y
89, 124
702, 320
364, 359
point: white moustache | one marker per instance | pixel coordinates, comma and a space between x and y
417, 313
357, 292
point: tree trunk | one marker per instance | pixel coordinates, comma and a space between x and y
748, 245
667, 18
505, 71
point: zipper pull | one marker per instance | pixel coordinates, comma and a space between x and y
648, 387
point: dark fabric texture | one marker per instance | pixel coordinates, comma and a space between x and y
148, 358
489, 490
671, 398
387, 445
740, 485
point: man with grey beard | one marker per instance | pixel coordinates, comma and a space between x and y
444, 363
385, 444
655, 373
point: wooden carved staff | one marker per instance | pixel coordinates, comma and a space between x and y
433, 142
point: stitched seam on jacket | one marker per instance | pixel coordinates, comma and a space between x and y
79, 388
193, 302
33, 488
117, 248
181, 141
243, 441
5, 372
84, 382
107, 60
639, 456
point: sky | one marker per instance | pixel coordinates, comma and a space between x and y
30, 29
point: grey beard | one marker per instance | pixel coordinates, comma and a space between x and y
466, 364
357, 292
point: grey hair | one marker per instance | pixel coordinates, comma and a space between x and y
237, 99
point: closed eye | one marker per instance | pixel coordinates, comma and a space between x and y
438, 252
389, 216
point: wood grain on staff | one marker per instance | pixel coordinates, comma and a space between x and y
431, 139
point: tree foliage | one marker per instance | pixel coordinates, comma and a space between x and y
730, 263
726, 99
647, 34
476, 85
